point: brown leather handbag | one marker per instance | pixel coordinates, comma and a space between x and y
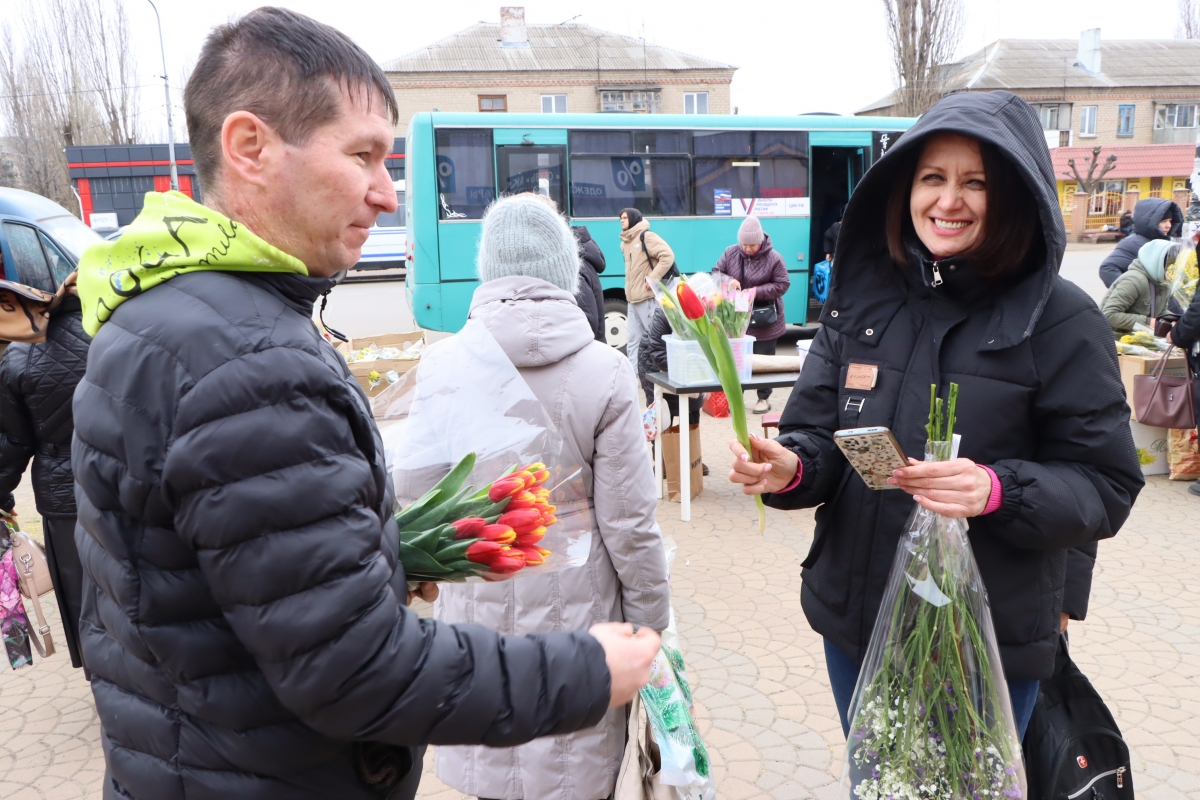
1163, 401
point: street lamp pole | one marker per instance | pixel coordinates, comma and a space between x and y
167, 89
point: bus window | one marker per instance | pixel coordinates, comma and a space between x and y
611, 170
748, 168
466, 174
526, 168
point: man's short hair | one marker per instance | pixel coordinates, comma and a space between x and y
283, 67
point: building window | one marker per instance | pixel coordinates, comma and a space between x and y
1125, 118
493, 102
1106, 199
1155, 187
1173, 116
1087, 121
554, 104
695, 102
1055, 117
639, 101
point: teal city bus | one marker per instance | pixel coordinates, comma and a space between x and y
693, 177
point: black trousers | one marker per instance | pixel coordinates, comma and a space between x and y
764, 347
67, 574
694, 405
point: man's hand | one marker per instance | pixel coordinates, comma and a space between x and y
772, 468
427, 591
628, 657
958, 488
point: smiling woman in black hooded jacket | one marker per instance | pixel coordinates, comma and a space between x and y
947, 271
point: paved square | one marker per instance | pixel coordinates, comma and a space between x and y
763, 701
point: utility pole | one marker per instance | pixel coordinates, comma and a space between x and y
167, 88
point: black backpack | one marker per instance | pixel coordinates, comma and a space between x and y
672, 273
1073, 747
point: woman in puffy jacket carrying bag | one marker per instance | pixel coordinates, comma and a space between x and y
947, 271
754, 264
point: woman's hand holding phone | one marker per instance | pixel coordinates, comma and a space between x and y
958, 488
770, 468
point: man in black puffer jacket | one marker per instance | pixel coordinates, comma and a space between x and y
244, 613
37, 381
590, 295
1153, 218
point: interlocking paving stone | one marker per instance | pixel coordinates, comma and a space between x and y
762, 697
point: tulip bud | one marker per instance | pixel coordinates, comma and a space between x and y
484, 552
521, 519
533, 556
508, 562
689, 302
505, 487
468, 527
521, 500
529, 539
498, 533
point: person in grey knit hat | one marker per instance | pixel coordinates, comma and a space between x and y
523, 235
751, 232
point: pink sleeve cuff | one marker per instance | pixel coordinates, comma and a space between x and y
997, 495
796, 480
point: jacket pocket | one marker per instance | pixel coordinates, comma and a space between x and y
827, 570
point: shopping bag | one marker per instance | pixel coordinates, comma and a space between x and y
669, 442
931, 715
716, 405
639, 778
1183, 457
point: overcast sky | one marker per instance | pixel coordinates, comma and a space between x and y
793, 55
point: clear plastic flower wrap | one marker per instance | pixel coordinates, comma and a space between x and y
486, 487
931, 717
1182, 276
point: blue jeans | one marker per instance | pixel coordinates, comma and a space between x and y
843, 675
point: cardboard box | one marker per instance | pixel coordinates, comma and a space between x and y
1145, 365
361, 370
1152, 448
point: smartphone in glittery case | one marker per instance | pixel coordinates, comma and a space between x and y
873, 452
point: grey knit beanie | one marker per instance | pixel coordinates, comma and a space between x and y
522, 235
751, 231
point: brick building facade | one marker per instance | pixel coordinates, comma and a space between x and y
560, 68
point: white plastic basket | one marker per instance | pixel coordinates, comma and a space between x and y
687, 366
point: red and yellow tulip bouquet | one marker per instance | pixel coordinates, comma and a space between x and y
712, 318
467, 510
453, 533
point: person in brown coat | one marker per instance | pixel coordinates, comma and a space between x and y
754, 264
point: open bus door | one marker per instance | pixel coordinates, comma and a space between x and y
835, 172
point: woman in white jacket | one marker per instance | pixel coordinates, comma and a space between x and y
529, 268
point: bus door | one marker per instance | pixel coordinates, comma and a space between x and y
835, 171
532, 160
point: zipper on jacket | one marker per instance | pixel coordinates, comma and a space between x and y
937, 275
1119, 772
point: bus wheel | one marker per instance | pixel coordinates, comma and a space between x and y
616, 323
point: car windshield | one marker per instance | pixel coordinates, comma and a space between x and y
70, 233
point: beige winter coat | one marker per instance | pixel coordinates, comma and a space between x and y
590, 392
638, 267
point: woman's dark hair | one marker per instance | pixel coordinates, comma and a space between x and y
1011, 230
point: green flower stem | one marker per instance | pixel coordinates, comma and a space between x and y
720, 354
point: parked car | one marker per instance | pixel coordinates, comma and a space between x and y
40, 241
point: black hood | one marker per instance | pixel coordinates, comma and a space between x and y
581, 233
866, 290
1153, 210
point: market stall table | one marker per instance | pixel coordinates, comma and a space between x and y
664, 385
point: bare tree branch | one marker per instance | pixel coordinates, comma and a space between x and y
924, 36
1088, 185
1189, 20
68, 77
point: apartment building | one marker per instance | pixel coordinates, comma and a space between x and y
513, 66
